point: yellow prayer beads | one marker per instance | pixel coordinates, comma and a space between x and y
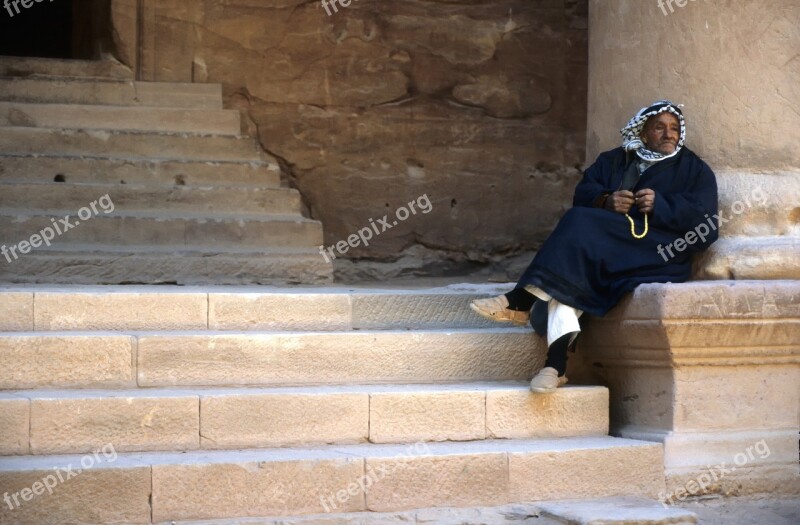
633, 227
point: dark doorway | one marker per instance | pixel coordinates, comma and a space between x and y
78, 29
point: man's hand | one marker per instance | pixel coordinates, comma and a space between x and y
620, 201
645, 199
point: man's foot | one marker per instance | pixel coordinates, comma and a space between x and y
496, 309
547, 381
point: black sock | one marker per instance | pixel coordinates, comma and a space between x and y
520, 299
557, 354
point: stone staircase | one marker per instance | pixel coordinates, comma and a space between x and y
267, 405
192, 200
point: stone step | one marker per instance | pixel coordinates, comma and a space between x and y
134, 198
221, 308
616, 511
161, 487
621, 510
158, 229
134, 146
76, 264
49, 67
39, 169
118, 118
111, 93
75, 422
31, 360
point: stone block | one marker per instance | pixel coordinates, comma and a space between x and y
252, 420
279, 311
402, 417
16, 311
79, 423
151, 311
456, 480
570, 411
61, 361
99, 495
446, 309
628, 469
15, 422
255, 488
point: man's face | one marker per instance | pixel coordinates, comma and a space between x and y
661, 133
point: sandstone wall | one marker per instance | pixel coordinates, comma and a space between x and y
480, 105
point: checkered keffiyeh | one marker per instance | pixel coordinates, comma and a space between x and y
631, 134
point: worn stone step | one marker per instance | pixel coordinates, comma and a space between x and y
73, 422
622, 510
221, 308
40, 169
134, 146
115, 360
132, 198
106, 228
111, 92
75, 264
118, 118
50, 67
616, 511
139, 487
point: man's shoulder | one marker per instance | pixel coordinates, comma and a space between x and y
611, 155
692, 157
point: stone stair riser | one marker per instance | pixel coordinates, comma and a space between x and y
110, 93
143, 231
62, 423
43, 198
156, 120
146, 146
120, 361
28, 169
29, 67
418, 476
120, 308
217, 267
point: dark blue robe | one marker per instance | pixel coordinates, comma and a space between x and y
591, 259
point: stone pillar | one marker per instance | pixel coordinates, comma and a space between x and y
734, 65
711, 369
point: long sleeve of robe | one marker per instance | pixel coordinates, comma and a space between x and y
591, 259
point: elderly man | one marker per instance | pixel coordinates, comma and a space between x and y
629, 212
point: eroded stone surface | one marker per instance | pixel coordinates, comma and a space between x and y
349, 100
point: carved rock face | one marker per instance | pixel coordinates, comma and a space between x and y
479, 106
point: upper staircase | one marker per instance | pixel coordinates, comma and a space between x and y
194, 201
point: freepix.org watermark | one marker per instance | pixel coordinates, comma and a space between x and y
701, 231
59, 227
715, 473
365, 234
27, 4
328, 4
60, 475
664, 4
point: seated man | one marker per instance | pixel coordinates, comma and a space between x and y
630, 212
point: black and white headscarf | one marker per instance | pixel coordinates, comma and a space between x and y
631, 134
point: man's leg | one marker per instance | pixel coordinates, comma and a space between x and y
562, 329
